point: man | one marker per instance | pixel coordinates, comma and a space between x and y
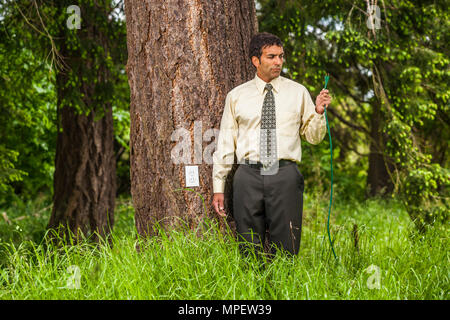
262, 123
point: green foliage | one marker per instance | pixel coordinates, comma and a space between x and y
27, 118
32, 53
399, 71
7, 171
421, 192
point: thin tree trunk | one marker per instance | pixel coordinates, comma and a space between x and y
85, 165
84, 180
183, 58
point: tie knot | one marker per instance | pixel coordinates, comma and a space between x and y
269, 87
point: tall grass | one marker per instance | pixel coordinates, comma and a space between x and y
380, 256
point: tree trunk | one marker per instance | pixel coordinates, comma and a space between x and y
183, 58
378, 180
84, 181
85, 167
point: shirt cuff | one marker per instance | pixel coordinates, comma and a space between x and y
218, 186
318, 114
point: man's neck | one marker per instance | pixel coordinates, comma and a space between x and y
267, 80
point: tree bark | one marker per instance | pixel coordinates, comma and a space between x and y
183, 58
84, 180
378, 180
85, 165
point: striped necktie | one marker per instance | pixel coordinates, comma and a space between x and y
268, 138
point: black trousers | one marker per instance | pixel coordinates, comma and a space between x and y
272, 201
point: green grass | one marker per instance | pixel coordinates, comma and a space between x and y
181, 265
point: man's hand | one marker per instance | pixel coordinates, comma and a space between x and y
322, 99
217, 203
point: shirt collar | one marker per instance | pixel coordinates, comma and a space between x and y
261, 84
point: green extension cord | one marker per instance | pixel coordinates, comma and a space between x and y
327, 77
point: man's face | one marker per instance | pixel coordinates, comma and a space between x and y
268, 67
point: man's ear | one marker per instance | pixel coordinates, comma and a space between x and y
256, 62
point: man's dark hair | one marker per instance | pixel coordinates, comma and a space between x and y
261, 40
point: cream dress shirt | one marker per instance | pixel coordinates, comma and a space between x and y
296, 117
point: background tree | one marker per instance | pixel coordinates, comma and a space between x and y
88, 66
85, 181
183, 59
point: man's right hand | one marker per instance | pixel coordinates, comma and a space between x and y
217, 203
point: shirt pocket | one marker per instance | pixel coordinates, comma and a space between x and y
288, 123
247, 115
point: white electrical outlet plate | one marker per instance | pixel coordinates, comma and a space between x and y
192, 179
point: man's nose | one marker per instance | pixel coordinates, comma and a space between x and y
278, 61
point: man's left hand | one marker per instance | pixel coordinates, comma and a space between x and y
323, 99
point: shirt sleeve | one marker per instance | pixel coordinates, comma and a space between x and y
223, 157
313, 126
